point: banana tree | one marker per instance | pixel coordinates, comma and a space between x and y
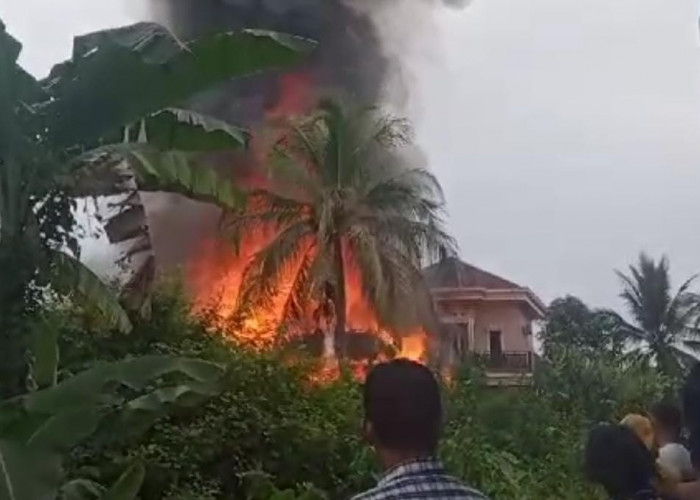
107, 122
39, 428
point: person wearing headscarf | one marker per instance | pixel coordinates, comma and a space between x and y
665, 480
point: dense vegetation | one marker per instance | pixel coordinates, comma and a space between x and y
272, 418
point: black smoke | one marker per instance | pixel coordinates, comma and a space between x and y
350, 59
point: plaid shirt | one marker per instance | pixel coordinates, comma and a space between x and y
419, 479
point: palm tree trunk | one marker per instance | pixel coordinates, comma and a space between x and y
339, 299
329, 342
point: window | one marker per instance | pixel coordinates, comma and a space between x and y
495, 342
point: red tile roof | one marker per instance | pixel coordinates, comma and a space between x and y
453, 273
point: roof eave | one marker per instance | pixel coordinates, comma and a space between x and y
494, 295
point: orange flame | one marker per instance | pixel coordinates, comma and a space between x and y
414, 346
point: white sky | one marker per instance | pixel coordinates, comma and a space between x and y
565, 133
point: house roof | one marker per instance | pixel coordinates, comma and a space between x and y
453, 273
452, 278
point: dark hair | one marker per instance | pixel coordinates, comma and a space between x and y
617, 459
669, 416
402, 403
691, 412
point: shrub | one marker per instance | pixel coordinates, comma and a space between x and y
513, 444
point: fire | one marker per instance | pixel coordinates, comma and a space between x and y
414, 346
216, 275
296, 97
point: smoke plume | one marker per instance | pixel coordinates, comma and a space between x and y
351, 58
356, 57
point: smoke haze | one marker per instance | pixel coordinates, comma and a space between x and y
361, 44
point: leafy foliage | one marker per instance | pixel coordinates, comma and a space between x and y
38, 428
602, 386
521, 443
118, 87
572, 325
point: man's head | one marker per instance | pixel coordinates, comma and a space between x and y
403, 410
668, 422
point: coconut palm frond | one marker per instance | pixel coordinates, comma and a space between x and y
390, 279
304, 291
414, 192
289, 175
418, 239
263, 274
631, 295
265, 209
682, 308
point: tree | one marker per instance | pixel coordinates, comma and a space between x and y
343, 195
101, 124
663, 320
572, 325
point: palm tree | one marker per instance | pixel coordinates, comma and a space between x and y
342, 194
663, 320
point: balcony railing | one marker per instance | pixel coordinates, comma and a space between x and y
506, 362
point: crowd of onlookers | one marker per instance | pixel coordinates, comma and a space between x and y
650, 457
655, 456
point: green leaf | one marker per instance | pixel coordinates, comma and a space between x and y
183, 130
287, 494
82, 489
181, 395
66, 429
16, 423
128, 485
179, 172
117, 77
137, 415
27, 473
87, 387
9, 45
69, 275
45, 353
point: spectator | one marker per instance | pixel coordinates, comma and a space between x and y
618, 460
403, 420
665, 480
691, 413
672, 455
643, 428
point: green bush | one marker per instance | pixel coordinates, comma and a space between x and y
601, 387
512, 443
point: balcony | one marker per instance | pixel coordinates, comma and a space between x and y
508, 362
507, 368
